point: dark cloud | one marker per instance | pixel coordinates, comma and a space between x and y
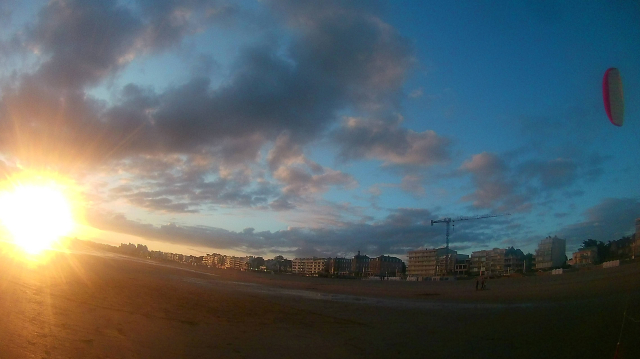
299, 182
387, 141
287, 152
192, 183
189, 184
516, 186
552, 174
203, 65
402, 230
46, 114
168, 21
494, 188
330, 66
344, 57
609, 220
85, 41
363, 57
165, 204
298, 93
281, 204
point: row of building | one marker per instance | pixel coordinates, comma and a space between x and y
277, 264
215, 260
438, 262
422, 263
358, 266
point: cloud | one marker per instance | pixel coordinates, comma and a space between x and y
493, 187
299, 182
199, 144
387, 141
352, 48
402, 230
342, 59
556, 173
516, 186
85, 41
609, 220
290, 98
287, 152
281, 204
45, 114
185, 184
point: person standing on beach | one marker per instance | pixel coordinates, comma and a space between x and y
477, 282
483, 285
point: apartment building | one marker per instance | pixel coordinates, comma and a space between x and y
385, 266
430, 262
360, 265
513, 260
463, 262
585, 256
551, 253
308, 266
338, 266
488, 262
239, 263
214, 260
279, 264
496, 261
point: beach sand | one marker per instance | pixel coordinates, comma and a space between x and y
107, 306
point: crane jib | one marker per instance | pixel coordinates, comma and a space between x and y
448, 221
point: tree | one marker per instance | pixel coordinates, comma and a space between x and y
589, 243
603, 249
528, 261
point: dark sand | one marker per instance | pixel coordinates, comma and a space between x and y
89, 306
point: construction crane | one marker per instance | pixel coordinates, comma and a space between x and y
448, 221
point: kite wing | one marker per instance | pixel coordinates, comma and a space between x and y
613, 97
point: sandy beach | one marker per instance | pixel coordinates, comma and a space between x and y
106, 306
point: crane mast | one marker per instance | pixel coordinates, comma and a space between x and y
448, 222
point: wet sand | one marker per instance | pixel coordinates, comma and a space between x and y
92, 306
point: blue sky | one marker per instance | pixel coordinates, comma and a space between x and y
324, 128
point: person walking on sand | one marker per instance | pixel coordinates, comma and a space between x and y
483, 284
477, 282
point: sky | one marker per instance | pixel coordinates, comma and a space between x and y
307, 128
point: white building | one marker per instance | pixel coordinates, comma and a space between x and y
551, 253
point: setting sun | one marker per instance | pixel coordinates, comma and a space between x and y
36, 215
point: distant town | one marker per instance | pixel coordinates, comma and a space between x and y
423, 264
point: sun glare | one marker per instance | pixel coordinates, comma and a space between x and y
36, 215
